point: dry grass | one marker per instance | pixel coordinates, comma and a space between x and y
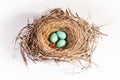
81, 38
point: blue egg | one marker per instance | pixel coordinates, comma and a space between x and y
61, 34
53, 38
60, 43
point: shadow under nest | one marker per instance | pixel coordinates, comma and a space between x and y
81, 38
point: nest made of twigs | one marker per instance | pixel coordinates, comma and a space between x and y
81, 37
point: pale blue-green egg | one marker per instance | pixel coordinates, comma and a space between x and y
61, 34
53, 38
61, 43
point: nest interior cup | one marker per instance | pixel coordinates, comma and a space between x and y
81, 37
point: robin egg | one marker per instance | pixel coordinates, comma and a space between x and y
61, 34
60, 43
53, 38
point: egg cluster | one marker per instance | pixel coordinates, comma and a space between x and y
58, 38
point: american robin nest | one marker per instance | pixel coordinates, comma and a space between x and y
81, 38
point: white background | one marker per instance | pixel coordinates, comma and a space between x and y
13, 17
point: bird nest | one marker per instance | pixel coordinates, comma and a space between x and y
81, 38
